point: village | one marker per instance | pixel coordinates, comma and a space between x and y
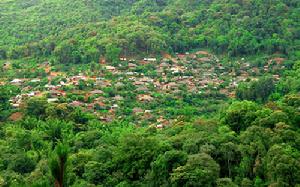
136, 87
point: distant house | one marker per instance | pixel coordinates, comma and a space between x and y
94, 92
35, 80
52, 100
16, 105
181, 56
103, 83
56, 93
142, 89
276, 77
16, 116
202, 53
76, 104
55, 74
102, 60
138, 83
114, 106
131, 65
143, 62
17, 82
137, 111
176, 69
278, 61
204, 59
118, 98
119, 84
6, 65
144, 98
110, 68
146, 79
171, 85
164, 65
150, 59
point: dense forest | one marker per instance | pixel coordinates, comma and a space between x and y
81, 31
150, 93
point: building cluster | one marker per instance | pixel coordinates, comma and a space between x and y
110, 86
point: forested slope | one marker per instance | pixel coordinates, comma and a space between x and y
237, 27
219, 106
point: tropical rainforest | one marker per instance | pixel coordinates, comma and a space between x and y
150, 93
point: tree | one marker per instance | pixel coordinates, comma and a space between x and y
36, 106
200, 170
134, 154
6, 92
283, 165
58, 165
164, 165
226, 182
240, 115
23, 164
68, 52
257, 90
112, 53
3, 54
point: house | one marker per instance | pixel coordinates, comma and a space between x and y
76, 104
114, 106
56, 74
35, 80
181, 56
56, 93
52, 100
138, 83
105, 118
143, 62
75, 79
278, 61
16, 116
146, 79
110, 68
204, 59
159, 126
202, 53
31, 94
137, 110
103, 83
142, 89
15, 105
119, 85
118, 98
276, 77
131, 65
176, 69
164, 65
94, 92
6, 65
171, 85
102, 60
144, 98
150, 59
17, 82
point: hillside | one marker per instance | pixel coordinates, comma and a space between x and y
42, 28
134, 93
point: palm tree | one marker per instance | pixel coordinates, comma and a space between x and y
58, 164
